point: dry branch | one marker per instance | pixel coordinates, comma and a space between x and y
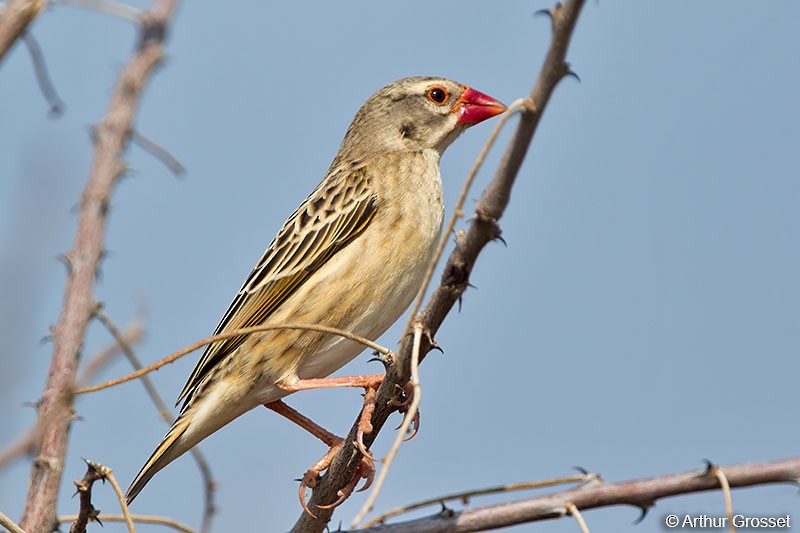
640, 493
112, 136
455, 278
166, 415
87, 512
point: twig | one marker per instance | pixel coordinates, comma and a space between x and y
9, 524
87, 512
107, 7
159, 152
123, 504
464, 496
576, 514
112, 135
143, 519
455, 278
726, 493
458, 209
457, 213
640, 493
42, 76
15, 18
230, 334
26, 443
402, 431
164, 411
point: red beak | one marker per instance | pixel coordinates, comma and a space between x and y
474, 107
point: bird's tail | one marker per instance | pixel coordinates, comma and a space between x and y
166, 452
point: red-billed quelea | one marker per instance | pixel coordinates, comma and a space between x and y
352, 256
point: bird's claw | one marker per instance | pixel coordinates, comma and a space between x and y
366, 471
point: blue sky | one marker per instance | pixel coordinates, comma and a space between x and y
643, 316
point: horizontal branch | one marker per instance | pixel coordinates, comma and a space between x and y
641, 493
228, 335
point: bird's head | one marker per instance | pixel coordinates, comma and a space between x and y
415, 114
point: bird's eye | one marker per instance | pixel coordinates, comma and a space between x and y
438, 95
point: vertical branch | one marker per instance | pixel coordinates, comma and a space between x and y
111, 138
482, 230
15, 16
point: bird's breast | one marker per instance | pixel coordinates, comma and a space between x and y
374, 280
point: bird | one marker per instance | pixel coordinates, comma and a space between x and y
352, 256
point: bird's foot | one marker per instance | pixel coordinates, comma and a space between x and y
366, 471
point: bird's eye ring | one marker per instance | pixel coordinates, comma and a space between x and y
438, 95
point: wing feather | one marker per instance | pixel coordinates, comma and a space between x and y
336, 213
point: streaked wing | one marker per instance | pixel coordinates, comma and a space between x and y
337, 212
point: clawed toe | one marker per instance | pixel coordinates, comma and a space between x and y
366, 471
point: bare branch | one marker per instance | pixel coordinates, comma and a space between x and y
9, 524
465, 496
42, 76
230, 334
123, 503
15, 18
726, 492
640, 493
166, 415
159, 152
137, 518
87, 512
112, 135
573, 510
110, 8
455, 278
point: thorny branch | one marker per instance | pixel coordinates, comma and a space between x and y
112, 136
87, 512
640, 493
482, 230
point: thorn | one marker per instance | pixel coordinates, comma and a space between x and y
445, 511
501, 239
644, 509
544, 13
581, 470
381, 360
67, 260
35, 404
709, 467
460, 301
569, 73
92, 131
471, 286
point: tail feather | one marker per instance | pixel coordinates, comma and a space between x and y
165, 453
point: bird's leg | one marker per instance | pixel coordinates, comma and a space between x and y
366, 469
304, 422
370, 383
